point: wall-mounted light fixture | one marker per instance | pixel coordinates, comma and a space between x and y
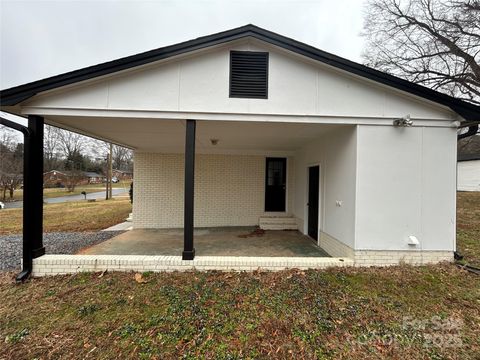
413, 241
404, 121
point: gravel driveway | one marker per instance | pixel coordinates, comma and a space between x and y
55, 243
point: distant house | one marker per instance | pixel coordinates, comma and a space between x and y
468, 173
122, 174
94, 178
56, 178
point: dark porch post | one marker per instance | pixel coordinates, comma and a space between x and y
33, 188
188, 249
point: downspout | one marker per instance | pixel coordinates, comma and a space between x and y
27, 253
472, 130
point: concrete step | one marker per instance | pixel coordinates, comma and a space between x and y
278, 220
278, 223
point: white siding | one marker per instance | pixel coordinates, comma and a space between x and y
199, 83
336, 154
468, 175
405, 186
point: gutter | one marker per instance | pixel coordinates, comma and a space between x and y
472, 130
27, 253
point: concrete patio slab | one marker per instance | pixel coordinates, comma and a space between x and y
231, 241
126, 225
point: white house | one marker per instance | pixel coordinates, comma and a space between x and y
247, 127
468, 173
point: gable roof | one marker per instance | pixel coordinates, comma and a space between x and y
89, 174
123, 171
17, 94
468, 157
54, 171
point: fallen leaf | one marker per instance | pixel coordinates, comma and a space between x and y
139, 278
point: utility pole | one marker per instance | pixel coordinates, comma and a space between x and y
110, 171
106, 176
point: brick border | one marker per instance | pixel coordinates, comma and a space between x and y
396, 257
70, 264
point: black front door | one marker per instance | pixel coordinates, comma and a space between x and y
313, 188
275, 184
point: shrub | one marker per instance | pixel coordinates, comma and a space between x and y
130, 192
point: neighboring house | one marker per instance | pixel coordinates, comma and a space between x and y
468, 172
56, 178
94, 178
247, 127
122, 174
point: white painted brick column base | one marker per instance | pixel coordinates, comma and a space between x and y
336, 248
70, 264
392, 257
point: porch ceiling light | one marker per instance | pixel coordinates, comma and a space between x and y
403, 122
214, 141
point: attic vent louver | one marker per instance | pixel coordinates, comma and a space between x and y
249, 74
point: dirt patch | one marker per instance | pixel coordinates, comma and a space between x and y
257, 232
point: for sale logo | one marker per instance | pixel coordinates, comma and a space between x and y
436, 331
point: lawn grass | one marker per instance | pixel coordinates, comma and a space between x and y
355, 313
468, 226
71, 216
401, 312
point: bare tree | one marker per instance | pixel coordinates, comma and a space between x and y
11, 162
431, 42
73, 178
7, 137
122, 158
68, 143
51, 149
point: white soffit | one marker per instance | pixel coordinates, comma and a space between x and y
159, 135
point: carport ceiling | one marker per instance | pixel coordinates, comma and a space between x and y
157, 135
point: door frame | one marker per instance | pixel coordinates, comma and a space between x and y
287, 164
320, 203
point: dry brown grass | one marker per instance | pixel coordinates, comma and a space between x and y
351, 313
468, 226
71, 216
337, 313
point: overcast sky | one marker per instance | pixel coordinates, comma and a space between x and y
39, 38
45, 38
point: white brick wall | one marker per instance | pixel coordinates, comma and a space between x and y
389, 257
69, 264
382, 257
158, 190
335, 247
229, 190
